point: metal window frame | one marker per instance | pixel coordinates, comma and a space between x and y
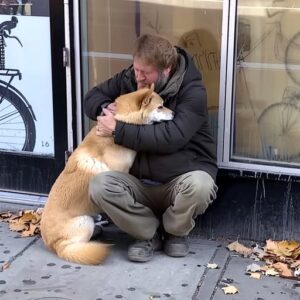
226, 105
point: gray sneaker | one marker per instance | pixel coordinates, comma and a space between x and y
142, 250
176, 246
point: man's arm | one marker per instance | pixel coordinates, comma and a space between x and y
102, 95
167, 137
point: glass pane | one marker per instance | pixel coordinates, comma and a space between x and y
267, 82
111, 28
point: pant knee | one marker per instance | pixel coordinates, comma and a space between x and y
100, 187
199, 189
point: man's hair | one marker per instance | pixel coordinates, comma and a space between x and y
156, 51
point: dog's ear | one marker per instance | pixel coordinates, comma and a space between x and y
152, 87
146, 100
147, 97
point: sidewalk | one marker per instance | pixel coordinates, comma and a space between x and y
35, 273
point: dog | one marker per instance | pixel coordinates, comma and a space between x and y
67, 224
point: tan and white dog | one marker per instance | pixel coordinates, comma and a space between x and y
67, 225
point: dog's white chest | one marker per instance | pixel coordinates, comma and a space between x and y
121, 159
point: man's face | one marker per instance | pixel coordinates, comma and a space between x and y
145, 74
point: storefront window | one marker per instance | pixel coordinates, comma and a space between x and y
26, 100
266, 106
110, 29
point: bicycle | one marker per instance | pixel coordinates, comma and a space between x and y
17, 118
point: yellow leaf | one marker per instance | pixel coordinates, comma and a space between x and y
230, 289
255, 275
271, 272
27, 217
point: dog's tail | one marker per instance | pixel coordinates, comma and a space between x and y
88, 253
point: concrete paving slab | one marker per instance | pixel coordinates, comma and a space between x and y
266, 288
11, 244
39, 274
210, 277
35, 273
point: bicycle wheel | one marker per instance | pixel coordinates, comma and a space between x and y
17, 128
292, 60
279, 126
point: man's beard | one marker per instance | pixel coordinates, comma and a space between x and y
161, 82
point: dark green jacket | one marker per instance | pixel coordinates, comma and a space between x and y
168, 149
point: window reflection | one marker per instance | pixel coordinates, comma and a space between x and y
113, 26
267, 82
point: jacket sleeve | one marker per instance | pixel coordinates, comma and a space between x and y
169, 136
101, 95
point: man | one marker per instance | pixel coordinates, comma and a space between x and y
172, 180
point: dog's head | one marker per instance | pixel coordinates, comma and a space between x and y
143, 106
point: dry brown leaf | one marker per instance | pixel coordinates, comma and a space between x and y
31, 231
283, 269
26, 222
5, 215
6, 265
230, 289
295, 264
27, 217
16, 226
239, 248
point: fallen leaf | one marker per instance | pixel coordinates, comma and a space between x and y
255, 275
260, 253
31, 231
239, 248
283, 269
212, 266
271, 245
253, 268
17, 226
26, 222
271, 272
295, 264
230, 289
6, 265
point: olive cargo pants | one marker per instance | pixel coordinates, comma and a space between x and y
139, 209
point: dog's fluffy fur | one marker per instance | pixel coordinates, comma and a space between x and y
67, 225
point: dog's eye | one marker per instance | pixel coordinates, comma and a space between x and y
160, 107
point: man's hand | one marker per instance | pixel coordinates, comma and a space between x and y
112, 107
106, 124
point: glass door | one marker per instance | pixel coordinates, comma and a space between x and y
110, 28
33, 122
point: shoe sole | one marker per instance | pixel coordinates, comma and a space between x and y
138, 258
176, 253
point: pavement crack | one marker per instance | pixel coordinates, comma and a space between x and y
211, 278
13, 258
